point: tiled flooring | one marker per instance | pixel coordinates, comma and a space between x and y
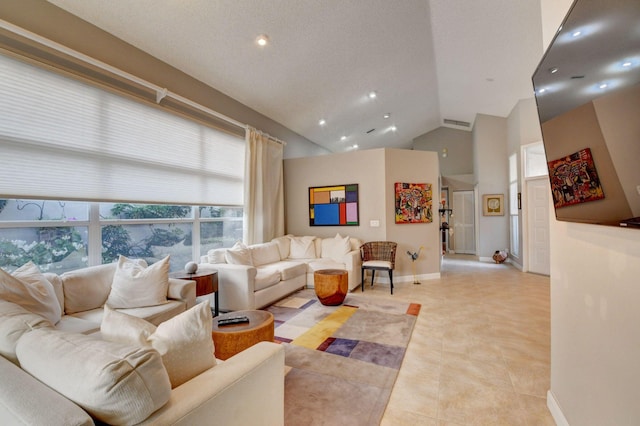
480, 350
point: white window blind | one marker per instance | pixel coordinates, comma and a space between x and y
64, 139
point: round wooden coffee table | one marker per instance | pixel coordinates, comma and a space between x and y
232, 339
331, 286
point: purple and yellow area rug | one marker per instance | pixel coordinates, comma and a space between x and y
342, 361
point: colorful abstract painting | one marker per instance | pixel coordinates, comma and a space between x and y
413, 203
333, 205
574, 179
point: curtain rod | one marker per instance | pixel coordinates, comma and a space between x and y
273, 138
161, 92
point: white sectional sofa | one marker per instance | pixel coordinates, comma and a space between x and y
71, 371
255, 276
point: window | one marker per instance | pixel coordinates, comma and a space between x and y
142, 171
535, 162
514, 220
55, 234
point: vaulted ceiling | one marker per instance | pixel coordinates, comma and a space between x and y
426, 60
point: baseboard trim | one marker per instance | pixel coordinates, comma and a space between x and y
556, 412
401, 278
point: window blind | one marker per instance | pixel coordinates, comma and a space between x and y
62, 138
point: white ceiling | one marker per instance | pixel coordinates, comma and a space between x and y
428, 60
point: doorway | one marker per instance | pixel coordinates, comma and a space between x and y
464, 229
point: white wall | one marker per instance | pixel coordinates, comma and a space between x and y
595, 323
491, 172
375, 171
595, 319
459, 146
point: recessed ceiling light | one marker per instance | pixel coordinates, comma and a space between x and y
603, 86
626, 64
322, 122
387, 115
576, 33
262, 40
394, 128
542, 90
355, 146
372, 95
553, 70
343, 138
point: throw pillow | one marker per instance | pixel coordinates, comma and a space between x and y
28, 288
239, 254
302, 248
135, 285
336, 248
14, 322
217, 255
115, 383
184, 341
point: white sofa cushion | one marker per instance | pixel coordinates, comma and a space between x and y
266, 276
136, 285
28, 288
265, 253
184, 341
79, 296
291, 269
302, 248
239, 254
116, 383
284, 246
335, 248
14, 322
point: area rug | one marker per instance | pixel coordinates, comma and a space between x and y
342, 361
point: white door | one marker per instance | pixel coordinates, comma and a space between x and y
538, 195
464, 232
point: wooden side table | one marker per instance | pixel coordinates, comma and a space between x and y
331, 286
206, 283
232, 339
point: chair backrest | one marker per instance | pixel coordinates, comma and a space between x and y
379, 250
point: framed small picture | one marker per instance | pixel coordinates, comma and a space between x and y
493, 205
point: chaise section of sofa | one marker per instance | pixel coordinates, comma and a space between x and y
82, 294
255, 276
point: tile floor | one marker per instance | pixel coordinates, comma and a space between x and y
480, 350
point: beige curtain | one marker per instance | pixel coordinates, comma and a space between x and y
263, 189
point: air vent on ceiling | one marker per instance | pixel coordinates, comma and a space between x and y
369, 131
577, 76
457, 122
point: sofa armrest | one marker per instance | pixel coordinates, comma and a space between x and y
183, 290
236, 285
352, 263
21, 393
246, 389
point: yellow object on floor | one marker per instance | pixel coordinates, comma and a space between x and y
325, 328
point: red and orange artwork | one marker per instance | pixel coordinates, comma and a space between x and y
574, 179
413, 203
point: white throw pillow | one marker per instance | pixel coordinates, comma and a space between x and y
135, 285
217, 255
336, 248
239, 254
184, 341
28, 288
114, 382
302, 248
14, 322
